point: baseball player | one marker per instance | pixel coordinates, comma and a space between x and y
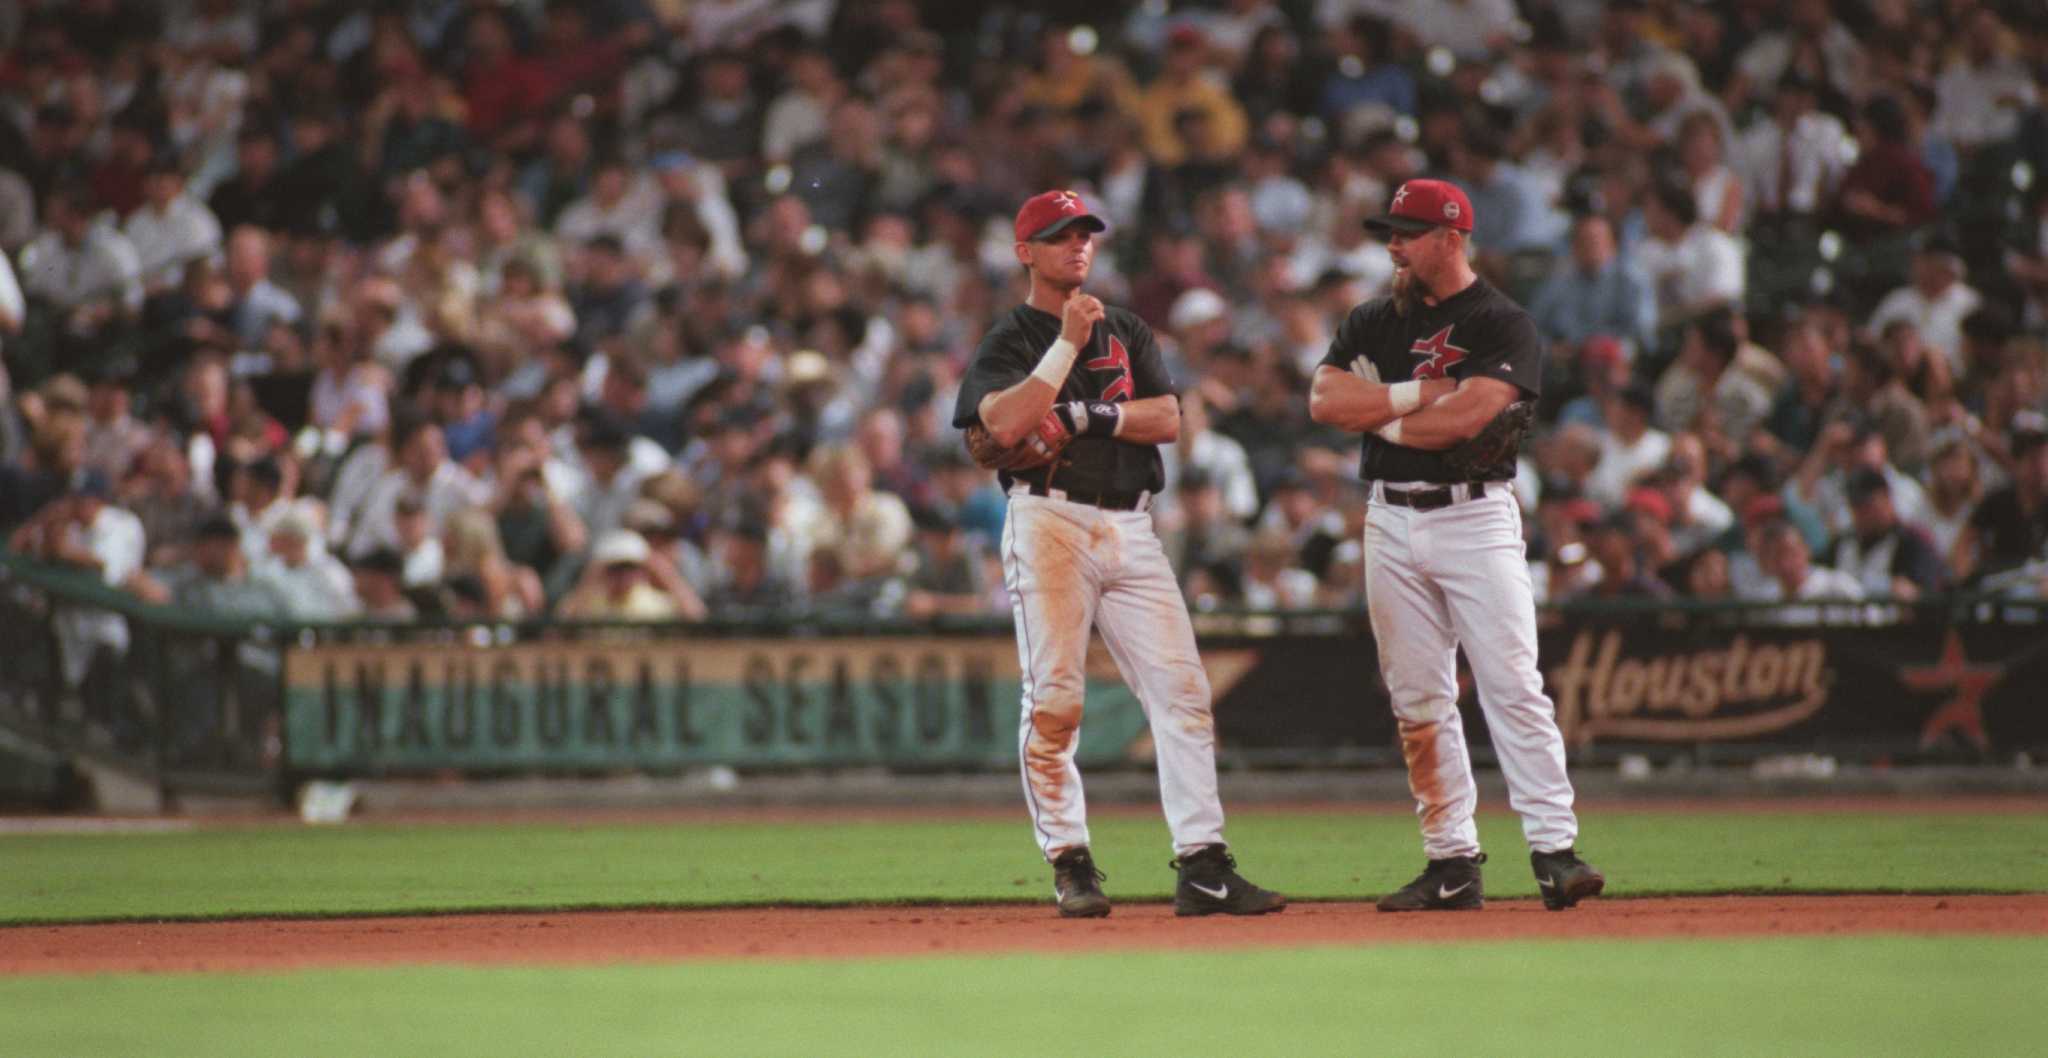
1438, 378
1068, 401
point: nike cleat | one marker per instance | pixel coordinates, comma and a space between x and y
1564, 878
1445, 885
1077, 885
1210, 885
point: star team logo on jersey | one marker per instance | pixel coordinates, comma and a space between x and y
1440, 352
1119, 361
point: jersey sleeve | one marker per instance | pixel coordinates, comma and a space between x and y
1512, 352
1347, 344
999, 363
1149, 377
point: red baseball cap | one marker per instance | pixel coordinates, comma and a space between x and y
1424, 204
1046, 215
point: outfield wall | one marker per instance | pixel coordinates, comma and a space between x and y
196, 698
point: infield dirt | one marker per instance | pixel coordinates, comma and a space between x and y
597, 937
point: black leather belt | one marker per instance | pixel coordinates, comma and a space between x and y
1432, 498
1107, 500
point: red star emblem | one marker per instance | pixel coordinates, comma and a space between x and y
1964, 711
1440, 352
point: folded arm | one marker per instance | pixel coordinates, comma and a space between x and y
1357, 405
1459, 416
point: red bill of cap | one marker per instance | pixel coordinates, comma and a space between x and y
1046, 215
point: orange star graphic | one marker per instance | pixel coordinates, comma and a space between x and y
1964, 711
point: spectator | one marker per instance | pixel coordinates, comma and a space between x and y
216, 579
314, 585
114, 437
1692, 266
1629, 447
743, 579
1703, 383
1702, 142
1809, 395
472, 549
170, 230
1954, 486
1187, 88
253, 197
158, 489
1793, 575
1936, 302
611, 464
1984, 89
1793, 161
950, 576
1845, 447
626, 581
2010, 527
1596, 294
1889, 192
259, 305
1885, 557
1872, 386
424, 477
85, 268
380, 587
1613, 546
867, 530
610, 300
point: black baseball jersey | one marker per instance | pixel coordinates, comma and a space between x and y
1477, 331
1121, 362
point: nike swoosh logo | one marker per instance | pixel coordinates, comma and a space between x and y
1220, 893
1547, 883
1445, 892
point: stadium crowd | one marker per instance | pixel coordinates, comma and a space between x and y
633, 309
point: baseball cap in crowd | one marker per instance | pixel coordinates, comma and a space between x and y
620, 547
1866, 483
382, 560
2029, 431
1195, 307
1651, 502
1420, 205
217, 527
1048, 214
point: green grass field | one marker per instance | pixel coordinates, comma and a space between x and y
1860, 997
1786, 996
363, 869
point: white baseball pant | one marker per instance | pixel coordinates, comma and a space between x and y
1071, 567
1435, 579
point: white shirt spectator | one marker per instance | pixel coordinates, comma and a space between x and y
603, 506
1820, 150
1979, 105
318, 589
168, 240
635, 219
101, 267
1702, 267
1938, 319
1765, 61
115, 537
450, 489
1226, 463
256, 526
1622, 462
1466, 27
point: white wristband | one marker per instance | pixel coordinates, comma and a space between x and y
1391, 431
1058, 360
1404, 397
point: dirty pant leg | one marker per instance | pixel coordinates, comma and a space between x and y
1052, 587
1493, 611
1419, 660
1144, 622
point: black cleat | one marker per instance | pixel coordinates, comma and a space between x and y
1444, 885
1210, 885
1077, 885
1564, 878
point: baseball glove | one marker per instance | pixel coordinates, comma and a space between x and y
1039, 447
1480, 457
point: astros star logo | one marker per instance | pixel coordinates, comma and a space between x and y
1964, 711
1399, 196
1440, 352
